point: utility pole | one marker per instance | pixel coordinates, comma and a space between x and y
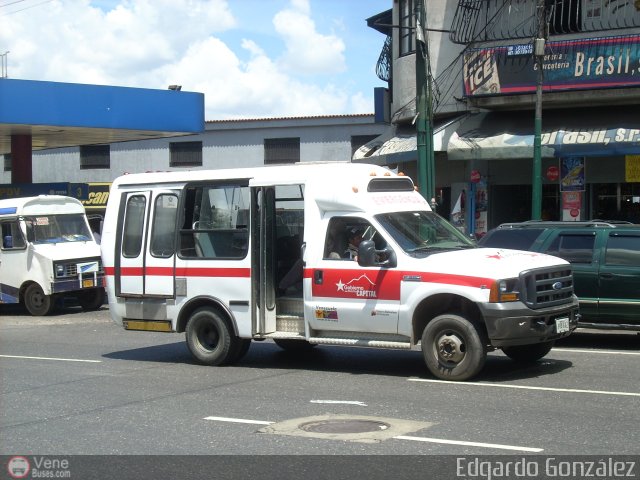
424, 109
538, 53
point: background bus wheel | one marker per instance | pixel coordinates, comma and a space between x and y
452, 348
91, 299
528, 353
36, 302
294, 345
209, 338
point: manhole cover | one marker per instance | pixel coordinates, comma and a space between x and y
344, 426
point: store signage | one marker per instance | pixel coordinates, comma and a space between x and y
97, 196
588, 63
571, 206
572, 174
553, 173
632, 168
14, 190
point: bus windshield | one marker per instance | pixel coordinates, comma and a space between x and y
57, 228
422, 233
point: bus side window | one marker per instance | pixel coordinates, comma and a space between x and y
133, 226
215, 223
164, 225
12, 238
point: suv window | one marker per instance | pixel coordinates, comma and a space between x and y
623, 250
573, 248
517, 239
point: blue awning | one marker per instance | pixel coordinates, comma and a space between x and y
577, 132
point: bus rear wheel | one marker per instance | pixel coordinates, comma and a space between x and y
210, 339
37, 302
91, 299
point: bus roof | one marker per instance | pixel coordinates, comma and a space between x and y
304, 172
40, 205
331, 185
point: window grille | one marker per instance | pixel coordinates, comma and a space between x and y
95, 156
185, 154
281, 150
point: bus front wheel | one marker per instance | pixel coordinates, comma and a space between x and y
37, 302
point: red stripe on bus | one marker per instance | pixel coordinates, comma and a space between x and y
213, 272
181, 272
381, 284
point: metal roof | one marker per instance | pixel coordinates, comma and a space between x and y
65, 114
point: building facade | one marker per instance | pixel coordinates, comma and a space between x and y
223, 144
485, 76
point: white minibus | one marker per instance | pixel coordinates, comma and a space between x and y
47, 251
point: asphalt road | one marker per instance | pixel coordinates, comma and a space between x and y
76, 384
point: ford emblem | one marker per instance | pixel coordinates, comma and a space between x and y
557, 286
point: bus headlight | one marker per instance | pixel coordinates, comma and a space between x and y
59, 270
504, 291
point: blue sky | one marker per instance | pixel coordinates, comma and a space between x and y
251, 58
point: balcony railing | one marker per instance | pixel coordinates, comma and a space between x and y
383, 68
492, 20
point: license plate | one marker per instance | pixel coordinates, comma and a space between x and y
562, 325
89, 283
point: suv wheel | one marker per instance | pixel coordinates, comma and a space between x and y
528, 353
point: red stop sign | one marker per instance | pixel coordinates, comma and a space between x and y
553, 173
475, 176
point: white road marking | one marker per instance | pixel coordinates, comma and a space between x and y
578, 350
345, 402
526, 387
238, 420
51, 358
399, 437
470, 444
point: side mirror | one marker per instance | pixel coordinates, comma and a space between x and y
368, 256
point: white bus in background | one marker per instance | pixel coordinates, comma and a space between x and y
47, 252
321, 254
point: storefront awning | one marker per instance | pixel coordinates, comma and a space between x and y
577, 132
399, 144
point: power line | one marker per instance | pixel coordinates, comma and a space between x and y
22, 9
12, 3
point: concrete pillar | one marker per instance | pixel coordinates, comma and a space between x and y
21, 166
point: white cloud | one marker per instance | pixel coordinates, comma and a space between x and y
308, 51
256, 88
155, 43
71, 41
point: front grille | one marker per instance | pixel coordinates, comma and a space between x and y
547, 287
71, 266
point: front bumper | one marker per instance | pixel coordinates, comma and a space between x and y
512, 324
87, 281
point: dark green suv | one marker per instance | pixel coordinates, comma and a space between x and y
606, 264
